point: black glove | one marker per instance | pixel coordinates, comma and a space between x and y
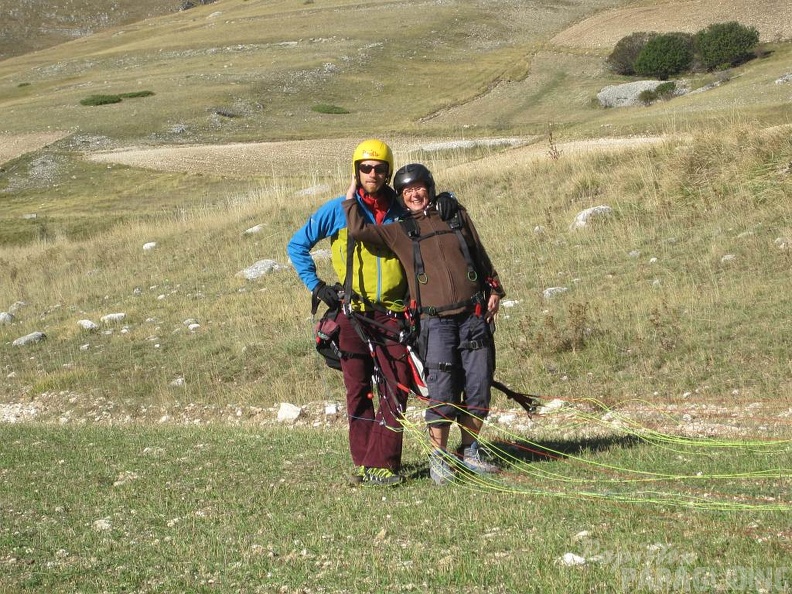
447, 205
327, 294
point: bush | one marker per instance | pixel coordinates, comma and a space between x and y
662, 91
136, 94
100, 100
622, 58
109, 99
327, 108
725, 44
665, 55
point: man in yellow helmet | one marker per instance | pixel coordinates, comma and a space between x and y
374, 303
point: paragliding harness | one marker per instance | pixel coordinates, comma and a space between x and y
478, 302
326, 330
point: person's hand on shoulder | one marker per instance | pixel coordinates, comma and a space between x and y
352, 190
447, 205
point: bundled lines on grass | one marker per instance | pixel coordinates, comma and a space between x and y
561, 473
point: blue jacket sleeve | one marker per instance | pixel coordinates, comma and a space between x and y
322, 224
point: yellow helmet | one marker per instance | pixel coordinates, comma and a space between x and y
375, 150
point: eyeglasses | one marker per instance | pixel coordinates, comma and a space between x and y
414, 190
380, 169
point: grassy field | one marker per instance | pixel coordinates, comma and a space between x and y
146, 455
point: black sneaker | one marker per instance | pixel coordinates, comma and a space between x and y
381, 477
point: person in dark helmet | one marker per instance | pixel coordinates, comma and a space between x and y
456, 292
378, 291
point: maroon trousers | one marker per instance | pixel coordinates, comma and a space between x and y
375, 433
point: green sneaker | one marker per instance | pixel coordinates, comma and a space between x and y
356, 476
381, 477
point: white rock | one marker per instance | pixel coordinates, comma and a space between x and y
570, 560
584, 217
728, 258
259, 269
31, 338
509, 303
193, 327
113, 317
783, 243
553, 292
102, 525
581, 535
288, 412
88, 325
147, 247
253, 230
6, 318
177, 383
16, 307
331, 410
554, 404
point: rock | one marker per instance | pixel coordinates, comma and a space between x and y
147, 247
553, 292
288, 413
6, 318
570, 560
112, 318
259, 269
31, 338
88, 325
584, 217
253, 230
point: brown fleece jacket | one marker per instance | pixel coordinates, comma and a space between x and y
446, 269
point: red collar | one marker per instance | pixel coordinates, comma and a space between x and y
377, 204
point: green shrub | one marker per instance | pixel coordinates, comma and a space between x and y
108, 99
665, 90
327, 108
725, 44
622, 59
136, 94
665, 55
647, 96
100, 100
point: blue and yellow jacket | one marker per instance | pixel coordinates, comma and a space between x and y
377, 274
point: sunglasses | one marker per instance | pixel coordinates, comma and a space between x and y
381, 169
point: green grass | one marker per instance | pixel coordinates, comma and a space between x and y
228, 509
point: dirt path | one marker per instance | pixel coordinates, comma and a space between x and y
12, 147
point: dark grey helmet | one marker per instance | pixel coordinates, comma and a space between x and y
412, 173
